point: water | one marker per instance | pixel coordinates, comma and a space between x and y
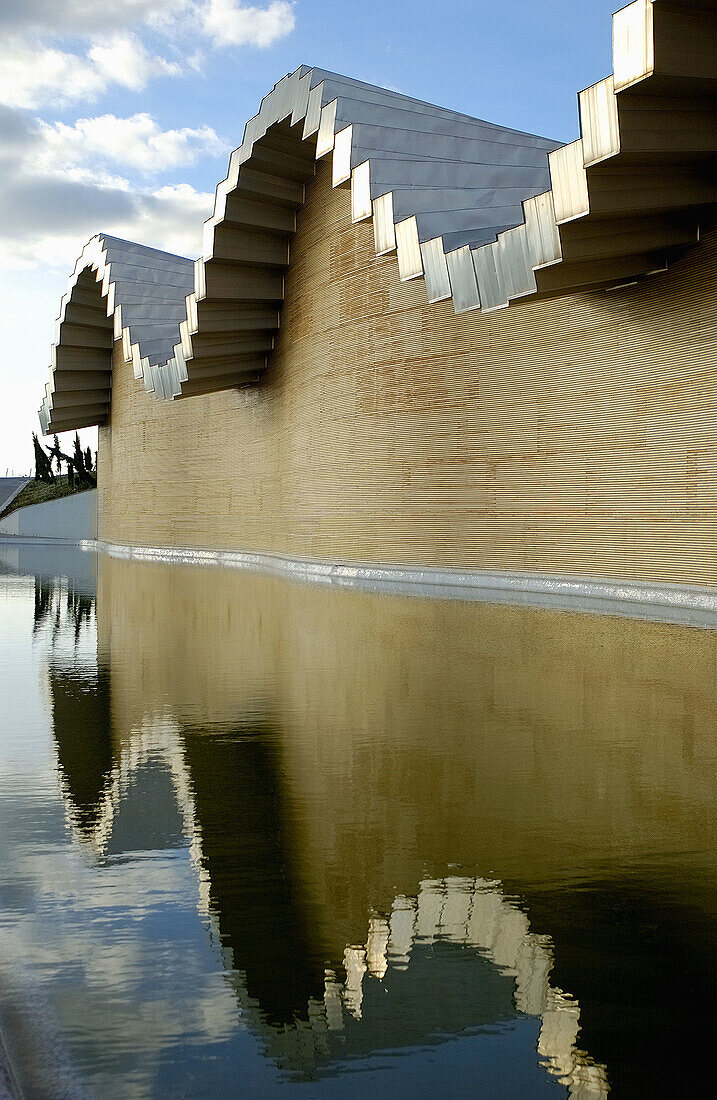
259, 838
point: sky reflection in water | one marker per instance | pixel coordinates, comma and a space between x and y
259, 837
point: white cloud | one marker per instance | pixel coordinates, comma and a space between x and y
62, 183
230, 23
227, 22
56, 189
195, 61
35, 70
136, 142
169, 218
32, 74
125, 60
83, 16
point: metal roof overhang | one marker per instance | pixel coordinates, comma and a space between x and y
465, 205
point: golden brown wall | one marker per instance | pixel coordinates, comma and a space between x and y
576, 435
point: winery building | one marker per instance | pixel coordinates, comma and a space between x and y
420, 343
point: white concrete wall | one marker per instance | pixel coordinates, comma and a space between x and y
73, 517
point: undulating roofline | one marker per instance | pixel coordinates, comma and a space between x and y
484, 214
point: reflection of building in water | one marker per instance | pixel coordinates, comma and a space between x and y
62, 605
456, 959
51, 562
318, 1015
64, 582
537, 734
356, 742
64, 619
81, 721
479, 970
246, 853
145, 778
64, 611
137, 799
474, 915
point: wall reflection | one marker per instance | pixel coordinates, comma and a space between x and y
343, 766
81, 721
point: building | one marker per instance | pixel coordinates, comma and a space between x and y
421, 342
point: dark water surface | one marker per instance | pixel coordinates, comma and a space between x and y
261, 838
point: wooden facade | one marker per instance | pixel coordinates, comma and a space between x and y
570, 435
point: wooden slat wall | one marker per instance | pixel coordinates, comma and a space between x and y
576, 435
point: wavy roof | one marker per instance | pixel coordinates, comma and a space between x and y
484, 214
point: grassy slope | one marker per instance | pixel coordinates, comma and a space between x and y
38, 492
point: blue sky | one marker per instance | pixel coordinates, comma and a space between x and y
119, 115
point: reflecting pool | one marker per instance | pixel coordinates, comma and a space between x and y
259, 837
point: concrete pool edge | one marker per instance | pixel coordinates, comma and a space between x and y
685, 604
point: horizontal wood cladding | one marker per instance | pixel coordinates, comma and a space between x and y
572, 435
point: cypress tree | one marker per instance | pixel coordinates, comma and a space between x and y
56, 451
43, 465
84, 476
79, 458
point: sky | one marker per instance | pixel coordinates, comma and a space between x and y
118, 116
